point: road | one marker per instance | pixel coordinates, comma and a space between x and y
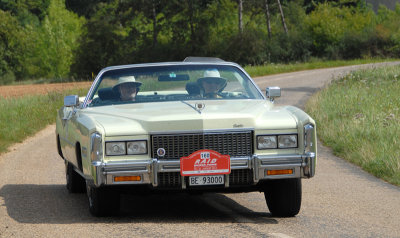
340, 201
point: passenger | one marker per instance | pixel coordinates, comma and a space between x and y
127, 87
211, 84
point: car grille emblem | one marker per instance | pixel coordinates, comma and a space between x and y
161, 152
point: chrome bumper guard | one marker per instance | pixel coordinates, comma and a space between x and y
303, 166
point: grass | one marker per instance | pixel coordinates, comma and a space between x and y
23, 116
269, 69
358, 116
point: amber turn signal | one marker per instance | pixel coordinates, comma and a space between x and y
127, 178
280, 172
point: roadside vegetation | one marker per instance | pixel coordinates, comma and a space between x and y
62, 40
22, 117
262, 70
358, 116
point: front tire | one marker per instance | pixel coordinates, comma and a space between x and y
283, 197
75, 182
102, 201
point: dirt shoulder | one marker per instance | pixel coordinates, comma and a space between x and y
35, 89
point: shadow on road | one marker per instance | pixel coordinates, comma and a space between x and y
52, 204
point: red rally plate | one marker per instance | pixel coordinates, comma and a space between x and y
205, 162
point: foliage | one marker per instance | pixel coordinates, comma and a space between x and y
12, 46
358, 116
48, 39
22, 117
330, 26
37, 46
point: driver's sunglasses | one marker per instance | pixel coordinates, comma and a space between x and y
210, 81
130, 87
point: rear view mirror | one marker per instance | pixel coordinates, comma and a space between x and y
272, 93
71, 101
173, 77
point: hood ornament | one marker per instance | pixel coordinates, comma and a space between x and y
200, 106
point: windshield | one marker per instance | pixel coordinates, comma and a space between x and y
172, 83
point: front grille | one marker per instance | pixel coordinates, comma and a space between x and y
234, 144
240, 177
169, 179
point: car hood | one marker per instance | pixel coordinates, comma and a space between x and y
143, 118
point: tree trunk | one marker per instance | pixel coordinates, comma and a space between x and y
282, 16
268, 18
154, 24
240, 16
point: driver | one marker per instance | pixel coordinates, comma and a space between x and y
127, 87
211, 84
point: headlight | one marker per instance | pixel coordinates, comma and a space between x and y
115, 148
96, 149
126, 147
266, 142
137, 147
287, 141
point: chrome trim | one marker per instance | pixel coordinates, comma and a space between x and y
205, 131
303, 166
308, 136
309, 163
96, 146
155, 172
280, 159
240, 162
168, 165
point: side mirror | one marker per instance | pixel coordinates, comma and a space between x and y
272, 93
71, 101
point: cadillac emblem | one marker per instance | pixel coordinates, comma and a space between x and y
161, 152
200, 106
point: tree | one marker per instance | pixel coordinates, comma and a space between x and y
55, 42
12, 48
268, 18
240, 14
282, 16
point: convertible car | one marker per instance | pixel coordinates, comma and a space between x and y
201, 125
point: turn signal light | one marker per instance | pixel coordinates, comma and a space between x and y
127, 178
280, 172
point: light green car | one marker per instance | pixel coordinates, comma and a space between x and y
201, 125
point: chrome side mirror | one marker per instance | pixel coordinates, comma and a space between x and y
272, 93
71, 101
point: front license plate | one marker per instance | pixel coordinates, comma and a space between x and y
206, 180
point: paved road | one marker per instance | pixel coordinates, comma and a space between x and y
340, 201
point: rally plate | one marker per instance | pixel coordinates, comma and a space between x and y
206, 180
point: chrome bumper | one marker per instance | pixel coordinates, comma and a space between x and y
303, 166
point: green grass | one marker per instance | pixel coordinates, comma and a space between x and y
269, 69
23, 116
358, 116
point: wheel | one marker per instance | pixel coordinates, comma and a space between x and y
283, 197
102, 201
75, 182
